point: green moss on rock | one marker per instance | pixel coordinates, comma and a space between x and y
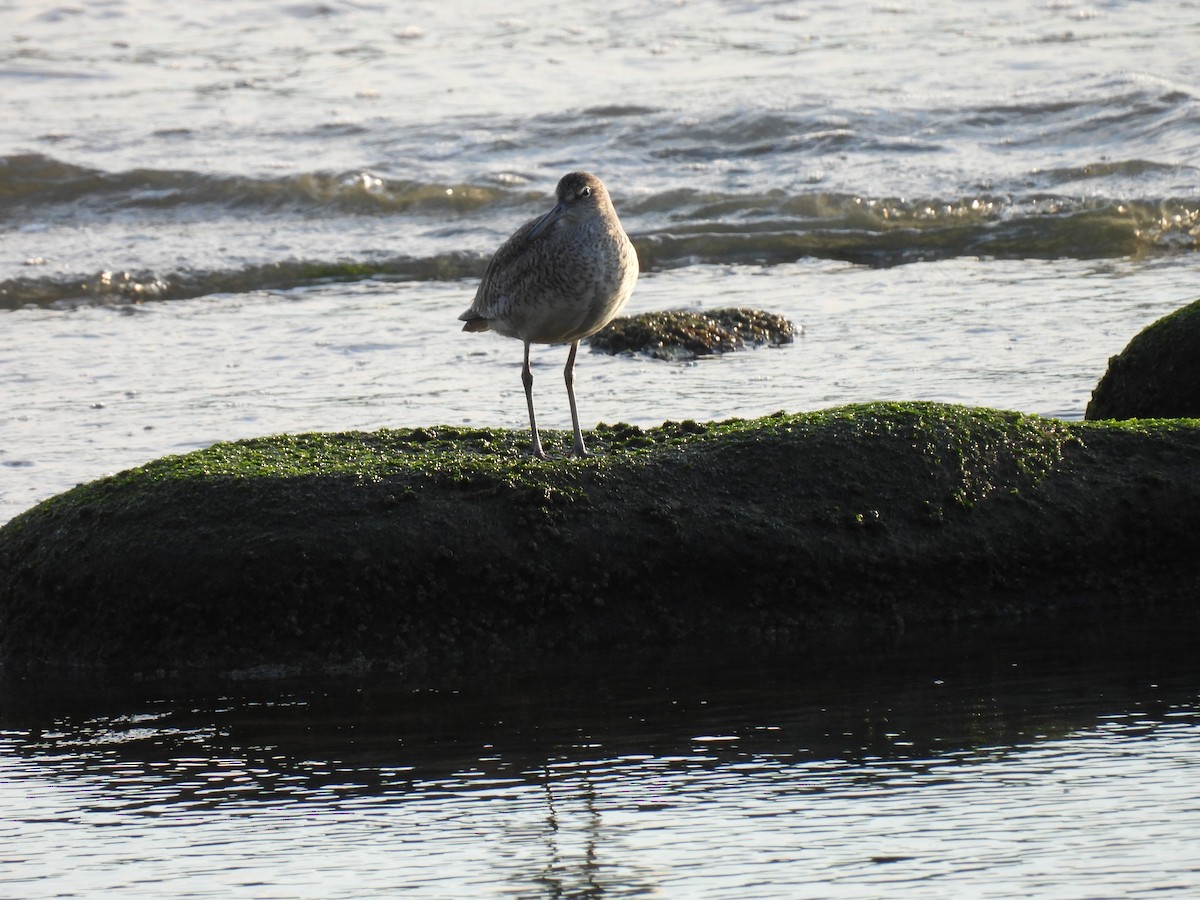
681, 334
1157, 375
414, 547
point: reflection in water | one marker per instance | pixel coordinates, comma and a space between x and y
928, 770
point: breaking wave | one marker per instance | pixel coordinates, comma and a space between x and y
670, 228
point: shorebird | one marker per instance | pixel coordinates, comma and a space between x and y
559, 278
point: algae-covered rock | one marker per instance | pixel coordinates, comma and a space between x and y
1157, 375
685, 334
416, 547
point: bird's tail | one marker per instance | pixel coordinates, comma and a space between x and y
473, 321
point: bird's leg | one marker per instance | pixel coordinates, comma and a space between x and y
527, 380
569, 377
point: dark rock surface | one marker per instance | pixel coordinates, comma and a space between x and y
679, 335
1157, 375
441, 546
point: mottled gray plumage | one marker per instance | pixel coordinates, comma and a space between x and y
559, 278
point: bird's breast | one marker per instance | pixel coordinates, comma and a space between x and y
565, 284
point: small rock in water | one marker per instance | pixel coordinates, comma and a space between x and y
680, 335
1157, 375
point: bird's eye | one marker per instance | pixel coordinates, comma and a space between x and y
585, 192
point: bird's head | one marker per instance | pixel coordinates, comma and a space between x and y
578, 193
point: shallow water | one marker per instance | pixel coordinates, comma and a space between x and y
102, 388
976, 771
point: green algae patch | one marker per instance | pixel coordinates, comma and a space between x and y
434, 546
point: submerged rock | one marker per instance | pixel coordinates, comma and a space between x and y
435, 546
1157, 375
682, 334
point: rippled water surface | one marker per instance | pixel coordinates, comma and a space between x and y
927, 774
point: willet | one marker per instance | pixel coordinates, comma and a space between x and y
559, 278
